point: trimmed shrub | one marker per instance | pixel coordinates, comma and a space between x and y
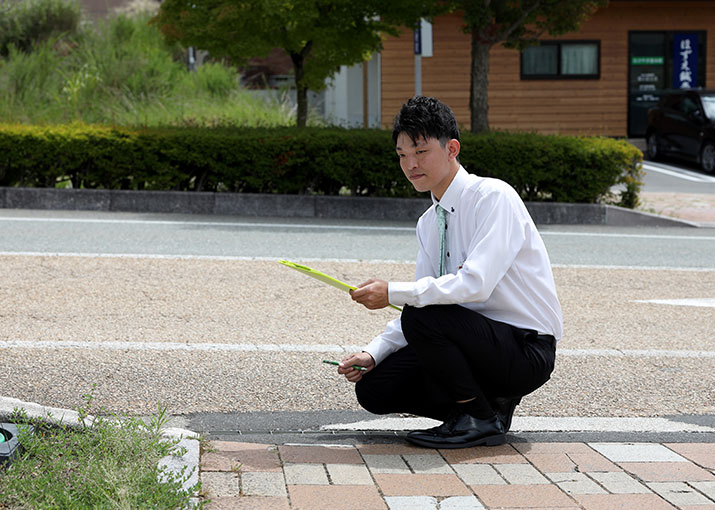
556, 168
329, 161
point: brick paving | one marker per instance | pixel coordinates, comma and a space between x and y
695, 207
397, 476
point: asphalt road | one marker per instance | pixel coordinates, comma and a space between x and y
671, 176
195, 313
102, 234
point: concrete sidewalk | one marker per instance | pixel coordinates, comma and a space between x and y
397, 476
698, 208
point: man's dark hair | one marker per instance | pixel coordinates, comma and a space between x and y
427, 117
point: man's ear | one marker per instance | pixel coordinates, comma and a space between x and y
453, 147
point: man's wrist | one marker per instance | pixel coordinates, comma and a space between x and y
399, 293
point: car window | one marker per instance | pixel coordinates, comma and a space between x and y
709, 106
687, 106
671, 101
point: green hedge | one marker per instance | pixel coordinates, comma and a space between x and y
294, 161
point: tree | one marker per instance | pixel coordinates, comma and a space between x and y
318, 35
516, 24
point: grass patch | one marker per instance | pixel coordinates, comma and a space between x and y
120, 71
111, 463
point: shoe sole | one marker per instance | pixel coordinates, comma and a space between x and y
495, 440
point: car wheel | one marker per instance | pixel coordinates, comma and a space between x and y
652, 149
707, 157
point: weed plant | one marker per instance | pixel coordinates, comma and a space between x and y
110, 463
25, 23
119, 71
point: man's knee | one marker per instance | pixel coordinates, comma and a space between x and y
369, 397
417, 322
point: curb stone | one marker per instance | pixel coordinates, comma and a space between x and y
302, 206
53, 415
188, 463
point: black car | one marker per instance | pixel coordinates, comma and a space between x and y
683, 126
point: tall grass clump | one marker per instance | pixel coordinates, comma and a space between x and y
110, 464
120, 71
24, 24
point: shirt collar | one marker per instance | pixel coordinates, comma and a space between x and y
454, 191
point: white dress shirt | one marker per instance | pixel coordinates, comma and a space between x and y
497, 263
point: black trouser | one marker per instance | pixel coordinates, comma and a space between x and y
455, 354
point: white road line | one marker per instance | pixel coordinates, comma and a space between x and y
636, 353
193, 257
537, 424
179, 223
95, 255
308, 348
309, 226
625, 236
699, 302
634, 268
311, 259
680, 173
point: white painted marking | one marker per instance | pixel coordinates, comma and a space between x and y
680, 173
636, 353
635, 268
309, 259
234, 224
192, 257
307, 348
699, 302
167, 346
385, 424
604, 424
538, 424
309, 226
626, 236
324, 445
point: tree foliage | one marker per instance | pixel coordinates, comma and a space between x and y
318, 35
515, 24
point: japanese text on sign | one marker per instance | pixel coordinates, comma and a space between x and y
685, 60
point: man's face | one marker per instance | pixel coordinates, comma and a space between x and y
426, 164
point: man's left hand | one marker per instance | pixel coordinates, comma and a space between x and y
372, 294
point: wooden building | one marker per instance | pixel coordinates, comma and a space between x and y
627, 53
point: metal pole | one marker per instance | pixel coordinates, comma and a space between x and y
365, 120
418, 58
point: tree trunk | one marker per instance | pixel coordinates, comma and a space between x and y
479, 84
301, 89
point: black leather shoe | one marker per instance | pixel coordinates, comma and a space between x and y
461, 431
504, 407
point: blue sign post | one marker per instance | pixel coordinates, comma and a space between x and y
685, 60
418, 59
418, 39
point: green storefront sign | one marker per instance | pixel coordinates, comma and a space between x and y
647, 61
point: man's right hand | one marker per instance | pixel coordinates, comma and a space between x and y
361, 359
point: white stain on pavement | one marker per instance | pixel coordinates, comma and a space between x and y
538, 424
699, 302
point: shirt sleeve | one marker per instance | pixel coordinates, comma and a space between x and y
386, 343
497, 239
392, 339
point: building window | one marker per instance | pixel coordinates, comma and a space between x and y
561, 60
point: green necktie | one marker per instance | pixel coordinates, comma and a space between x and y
442, 226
